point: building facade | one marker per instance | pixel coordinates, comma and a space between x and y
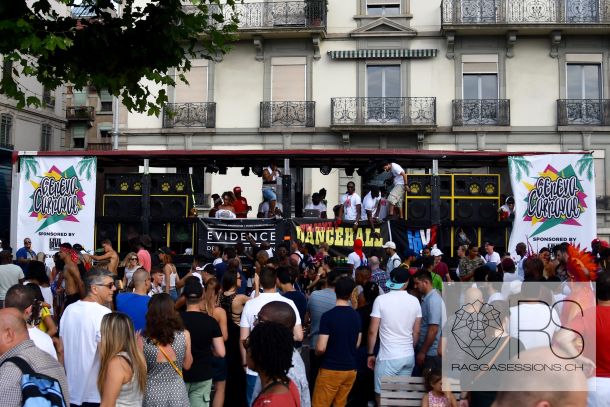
459, 75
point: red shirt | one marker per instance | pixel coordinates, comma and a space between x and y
289, 399
442, 270
241, 207
597, 319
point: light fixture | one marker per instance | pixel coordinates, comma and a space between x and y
212, 168
245, 171
349, 171
325, 169
222, 170
360, 171
257, 170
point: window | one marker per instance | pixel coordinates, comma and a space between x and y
480, 93
383, 7
48, 98
78, 136
584, 91
196, 91
45, 137
105, 101
383, 103
79, 98
6, 124
288, 79
105, 134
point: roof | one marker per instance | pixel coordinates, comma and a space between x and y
298, 158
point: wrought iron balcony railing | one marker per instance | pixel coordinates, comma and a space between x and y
583, 112
271, 14
189, 115
78, 113
525, 12
481, 112
288, 114
376, 111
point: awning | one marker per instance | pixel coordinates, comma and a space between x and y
383, 53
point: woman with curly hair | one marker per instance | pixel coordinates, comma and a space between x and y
269, 352
167, 350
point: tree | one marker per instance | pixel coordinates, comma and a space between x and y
110, 48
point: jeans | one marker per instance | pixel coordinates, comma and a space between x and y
199, 393
333, 387
250, 383
393, 367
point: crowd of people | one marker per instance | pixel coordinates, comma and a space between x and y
272, 326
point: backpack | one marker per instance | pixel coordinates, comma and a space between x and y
37, 390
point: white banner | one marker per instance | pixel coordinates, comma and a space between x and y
554, 200
56, 202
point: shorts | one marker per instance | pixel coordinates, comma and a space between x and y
219, 369
269, 194
397, 195
393, 367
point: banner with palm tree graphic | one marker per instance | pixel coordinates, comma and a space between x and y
554, 200
56, 201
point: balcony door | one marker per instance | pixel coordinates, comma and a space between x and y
288, 92
383, 103
584, 94
480, 94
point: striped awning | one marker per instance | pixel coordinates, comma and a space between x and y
383, 53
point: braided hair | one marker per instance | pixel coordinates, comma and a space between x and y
270, 346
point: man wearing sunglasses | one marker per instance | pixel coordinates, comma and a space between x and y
80, 328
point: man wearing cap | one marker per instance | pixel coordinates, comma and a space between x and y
491, 256
409, 259
240, 204
440, 267
393, 258
206, 338
396, 316
135, 304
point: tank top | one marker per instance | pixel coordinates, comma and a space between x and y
172, 277
130, 394
438, 401
274, 175
226, 302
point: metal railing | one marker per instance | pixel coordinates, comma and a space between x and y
375, 111
189, 115
583, 112
518, 12
271, 14
103, 146
86, 113
481, 112
288, 114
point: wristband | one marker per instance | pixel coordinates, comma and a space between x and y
371, 354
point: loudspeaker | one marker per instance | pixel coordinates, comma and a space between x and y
475, 210
168, 207
125, 184
105, 230
419, 209
421, 185
158, 233
122, 206
170, 184
496, 235
476, 185
181, 232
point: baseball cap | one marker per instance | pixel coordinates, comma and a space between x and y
410, 253
208, 268
237, 189
436, 252
192, 291
389, 245
165, 250
398, 277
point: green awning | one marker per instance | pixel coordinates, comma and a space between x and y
383, 53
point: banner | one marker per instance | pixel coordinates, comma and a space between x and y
229, 232
56, 202
554, 200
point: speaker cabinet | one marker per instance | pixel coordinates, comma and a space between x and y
419, 209
181, 232
122, 206
496, 235
105, 230
170, 184
129, 230
124, 184
168, 207
158, 233
475, 210
420, 185
487, 185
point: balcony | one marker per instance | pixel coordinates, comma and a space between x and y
536, 16
288, 114
80, 113
378, 113
481, 112
189, 115
269, 16
102, 146
583, 112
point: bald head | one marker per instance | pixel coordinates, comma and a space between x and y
280, 312
140, 276
374, 262
13, 329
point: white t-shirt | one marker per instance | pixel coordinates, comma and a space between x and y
349, 203
393, 262
252, 308
493, 258
354, 260
396, 171
320, 207
216, 261
398, 311
42, 341
10, 274
80, 333
383, 208
369, 204
263, 207
533, 316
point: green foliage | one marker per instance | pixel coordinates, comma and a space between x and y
87, 166
585, 166
30, 166
520, 166
123, 52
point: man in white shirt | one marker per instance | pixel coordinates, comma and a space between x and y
491, 256
370, 205
351, 204
531, 321
10, 274
396, 316
393, 257
397, 194
80, 332
317, 204
249, 317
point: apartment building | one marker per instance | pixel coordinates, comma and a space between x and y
480, 75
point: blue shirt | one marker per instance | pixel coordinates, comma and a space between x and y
299, 300
432, 314
319, 302
342, 325
23, 254
220, 270
135, 306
